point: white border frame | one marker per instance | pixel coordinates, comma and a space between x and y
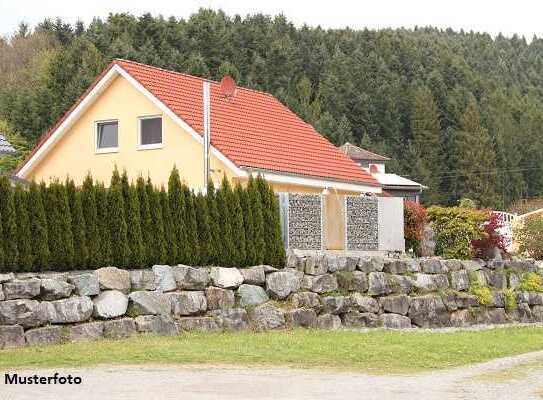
153, 146
106, 150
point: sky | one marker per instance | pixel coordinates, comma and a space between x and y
522, 17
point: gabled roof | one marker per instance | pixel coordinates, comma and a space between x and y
358, 153
391, 181
6, 147
253, 130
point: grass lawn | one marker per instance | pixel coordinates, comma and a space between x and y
377, 351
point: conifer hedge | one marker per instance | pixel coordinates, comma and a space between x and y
135, 225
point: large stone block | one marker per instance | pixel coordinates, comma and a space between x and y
86, 284
428, 312
280, 284
431, 282
220, 299
377, 284
521, 313
86, 331
22, 289
317, 264
52, 289
226, 278
2, 297
371, 264
301, 317
69, 311
460, 280
266, 316
394, 321
355, 319
235, 319
395, 304
497, 279
462, 318
251, 295
11, 336
119, 328
188, 303
458, 300
254, 275
24, 312
393, 266
453, 265
7, 277
328, 321
199, 324
190, 278
143, 279
307, 300
149, 303
525, 265
111, 278
336, 304
110, 304
44, 336
352, 281
165, 281
364, 304
322, 283
156, 324
433, 266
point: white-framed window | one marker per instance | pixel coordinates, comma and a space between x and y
107, 136
150, 132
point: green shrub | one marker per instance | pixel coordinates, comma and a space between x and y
510, 299
455, 228
528, 235
531, 282
483, 293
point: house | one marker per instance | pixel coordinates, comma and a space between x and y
5, 147
393, 185
146, 120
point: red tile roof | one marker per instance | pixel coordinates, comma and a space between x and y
253, 129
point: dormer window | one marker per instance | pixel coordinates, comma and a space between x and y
150, 132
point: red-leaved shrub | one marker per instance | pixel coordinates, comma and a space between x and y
491, 237
414, 220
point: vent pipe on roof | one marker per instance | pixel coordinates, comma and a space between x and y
207, 132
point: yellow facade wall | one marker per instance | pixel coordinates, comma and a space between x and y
74, 154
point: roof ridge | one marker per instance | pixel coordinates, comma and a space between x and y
170, 71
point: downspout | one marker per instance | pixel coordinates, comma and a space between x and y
207, 132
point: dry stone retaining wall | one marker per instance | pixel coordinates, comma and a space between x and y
318, 291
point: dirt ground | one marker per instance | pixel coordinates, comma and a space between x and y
518, 377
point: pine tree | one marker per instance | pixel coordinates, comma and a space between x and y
177, 209
105, 245
238, 227
78, 225
427, 144
475, 159
159, 241
248, 223
215, 244
257, 211
38, 228
120, 250
24, 234
171, 243
191, 228
90, 215
145, 219
227, 247
7, 211
204, 232
133, 224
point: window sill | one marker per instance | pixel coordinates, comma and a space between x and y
150, 146
107, 150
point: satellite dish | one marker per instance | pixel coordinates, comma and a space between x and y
228, 87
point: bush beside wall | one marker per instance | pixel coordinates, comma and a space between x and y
61, 227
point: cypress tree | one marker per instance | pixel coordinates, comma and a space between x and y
177, 209
24, 234
255, 201
277, 247
227, 248
146, 222
133, 223
115, 177
7, 211
90, 215
238, 227
248, 225
204, 232
125, 188
78, 225
191, 228
60, 233
171, 243
159, 255
38, 228
215, 244
117, 226
1, 246
105, 245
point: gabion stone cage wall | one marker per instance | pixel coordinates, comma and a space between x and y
304, 221
361, 223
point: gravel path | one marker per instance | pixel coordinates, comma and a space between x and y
190, 382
